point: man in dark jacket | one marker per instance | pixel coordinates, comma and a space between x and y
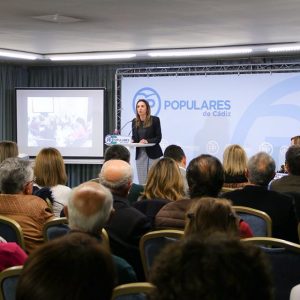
205, 177
127, 224
260, 171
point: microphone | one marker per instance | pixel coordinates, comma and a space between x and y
125, 126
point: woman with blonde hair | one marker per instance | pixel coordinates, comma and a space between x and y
164, 184
210, 215
8, 149
51, 178
235, 165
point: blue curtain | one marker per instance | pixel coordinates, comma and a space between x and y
10, 77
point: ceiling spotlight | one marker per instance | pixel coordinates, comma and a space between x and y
56, 18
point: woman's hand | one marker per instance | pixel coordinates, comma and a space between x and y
143, 141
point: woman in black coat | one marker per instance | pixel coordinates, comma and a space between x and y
146, 129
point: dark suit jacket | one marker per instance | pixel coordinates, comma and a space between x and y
278, 206
152, 135
150, 207
125, 228
289, 183
127, 223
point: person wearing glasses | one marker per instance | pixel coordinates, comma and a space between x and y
18, 203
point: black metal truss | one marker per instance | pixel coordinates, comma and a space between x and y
190, 70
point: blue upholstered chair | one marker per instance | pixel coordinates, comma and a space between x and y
11, 231
132, 291
8, 282
55, 228
153, 242
259, 221
58, 227
284, 257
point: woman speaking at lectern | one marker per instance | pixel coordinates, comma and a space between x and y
145, 129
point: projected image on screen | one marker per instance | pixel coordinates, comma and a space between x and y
68, 119
61, 121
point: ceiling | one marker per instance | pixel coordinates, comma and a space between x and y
125, 25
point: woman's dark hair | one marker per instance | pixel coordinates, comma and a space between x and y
210, 269
211, 215
75, 267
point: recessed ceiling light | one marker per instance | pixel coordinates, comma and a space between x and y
57, 19
89, 56
20, 54
284, 48
199, 52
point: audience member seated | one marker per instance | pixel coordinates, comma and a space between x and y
122, 153
205, 176
51, 178
8, 149
73, 267
261, 170
127, 225
88, 210
176, 152
164, 184
213, 268
11, 254
212, 215
18, 203
235, 165
290, 182
295, 140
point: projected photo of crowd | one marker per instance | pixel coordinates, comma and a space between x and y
59, 122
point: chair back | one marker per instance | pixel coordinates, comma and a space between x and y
284, 258
58, 227
296, 198
259, 221
153, 242
11, 231
105, 239
133, 291
8, 282
55, 228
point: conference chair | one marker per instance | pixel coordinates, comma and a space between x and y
226, 190
153, 242
55, 228
58, 227
11, 231
296, 198
284, 258
132, 291
259, 221
8, 282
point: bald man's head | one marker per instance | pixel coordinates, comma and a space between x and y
116, 175
89, 207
